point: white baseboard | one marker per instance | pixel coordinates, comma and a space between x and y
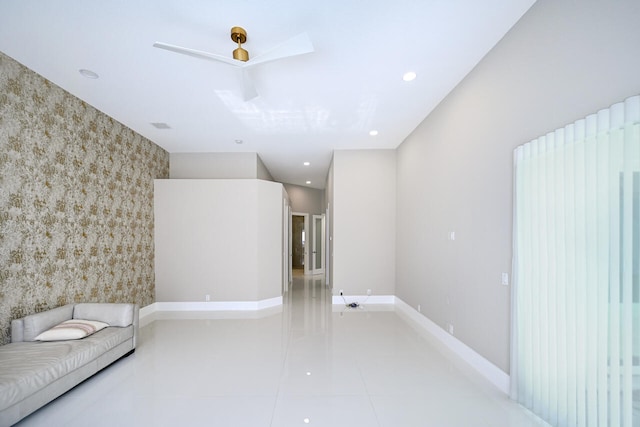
149, 312
485, 368
363, 299
218, 305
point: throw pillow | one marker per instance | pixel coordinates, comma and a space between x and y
73, 329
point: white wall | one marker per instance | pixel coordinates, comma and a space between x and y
218, 237
269, 222
217, 166
562, 61
305, 199
261, 170
364, 212
329, 223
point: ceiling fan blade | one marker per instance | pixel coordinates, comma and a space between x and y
248, 88
199, 54
297, 45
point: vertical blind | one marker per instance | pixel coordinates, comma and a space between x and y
575, 358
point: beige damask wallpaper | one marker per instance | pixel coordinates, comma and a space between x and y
76, 201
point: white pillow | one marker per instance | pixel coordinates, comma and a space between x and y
73, 329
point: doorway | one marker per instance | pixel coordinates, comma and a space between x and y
307, 243
298, 241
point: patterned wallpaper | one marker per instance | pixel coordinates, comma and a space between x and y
76, 201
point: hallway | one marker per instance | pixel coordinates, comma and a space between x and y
305, 363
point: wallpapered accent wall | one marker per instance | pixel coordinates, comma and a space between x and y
76, 201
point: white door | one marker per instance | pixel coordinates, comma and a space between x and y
316, 245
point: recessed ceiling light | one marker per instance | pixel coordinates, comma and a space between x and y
373, 132
308, 182
306, 420
239, 141
89, 74
308, 373
160, 125
306, 163
409, 76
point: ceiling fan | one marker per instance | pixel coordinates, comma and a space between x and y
294, 46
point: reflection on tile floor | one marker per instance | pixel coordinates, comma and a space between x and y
298, 365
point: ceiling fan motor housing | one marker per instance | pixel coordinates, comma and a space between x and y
239, 35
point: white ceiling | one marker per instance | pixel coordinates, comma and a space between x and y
308, 106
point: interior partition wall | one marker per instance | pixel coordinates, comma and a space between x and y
219, 240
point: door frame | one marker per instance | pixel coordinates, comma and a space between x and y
321, 243
286, 246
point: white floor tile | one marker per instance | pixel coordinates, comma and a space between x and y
333, 411
306, 363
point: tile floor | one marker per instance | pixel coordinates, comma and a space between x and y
306, 363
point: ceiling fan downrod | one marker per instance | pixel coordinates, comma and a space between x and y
239, 35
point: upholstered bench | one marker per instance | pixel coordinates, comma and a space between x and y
33, 372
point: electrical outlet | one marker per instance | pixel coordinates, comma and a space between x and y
341, 293
450, 328
368, 292
505, 279
207, 297
419, 309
